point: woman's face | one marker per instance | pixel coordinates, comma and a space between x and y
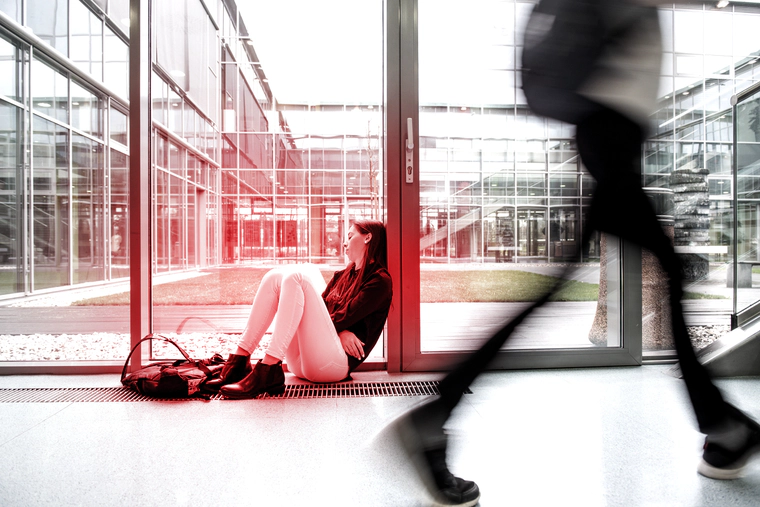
356, 245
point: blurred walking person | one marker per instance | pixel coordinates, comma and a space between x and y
594, 64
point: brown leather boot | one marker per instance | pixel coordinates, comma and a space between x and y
264, 378
234, 370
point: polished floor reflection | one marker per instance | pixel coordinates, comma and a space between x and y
585, 437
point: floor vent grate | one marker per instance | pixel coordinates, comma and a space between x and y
292, 391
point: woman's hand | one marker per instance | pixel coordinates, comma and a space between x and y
351, 344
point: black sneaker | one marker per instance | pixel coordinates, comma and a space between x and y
727, 452
449, 490
421, 434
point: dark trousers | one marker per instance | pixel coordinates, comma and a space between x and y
609, 145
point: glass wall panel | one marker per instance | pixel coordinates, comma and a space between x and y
688, 159
50, 91
176, 159
500, 201
9, 67
159, 91
88, 248
86, 111
12, 8
51, 200
11, 199
50, 22
118, 126
115, 62
86, 40
119, 212
118, 10
57, 172
175, 113
300, 157
177, 218
161, 230
748, 198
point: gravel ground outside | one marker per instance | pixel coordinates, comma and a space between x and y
112, 346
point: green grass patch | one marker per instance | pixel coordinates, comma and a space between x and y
218, 287
497, 286
699, 295
238, 287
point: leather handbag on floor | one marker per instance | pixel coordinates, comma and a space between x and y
183, 378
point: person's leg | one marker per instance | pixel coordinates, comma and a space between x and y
317, 357
610, 147
264, 308
314, 352
421, 430
298, 293
621, 208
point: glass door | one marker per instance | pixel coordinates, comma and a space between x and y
531, 234
501, 204
300, 135
747, 203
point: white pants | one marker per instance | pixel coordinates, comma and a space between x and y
294, 295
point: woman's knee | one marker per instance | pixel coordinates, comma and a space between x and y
303, 278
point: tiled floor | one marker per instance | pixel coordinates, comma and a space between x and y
586, 437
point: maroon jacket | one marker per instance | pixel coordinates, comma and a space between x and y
364, 315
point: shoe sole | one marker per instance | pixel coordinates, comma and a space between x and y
409, 439
244, 396
737, 470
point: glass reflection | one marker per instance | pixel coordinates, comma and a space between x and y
118, 126
115, 62
50, 25
11, 200
748, 196
119, 212
86, 40
86, 111
50, 197
9, 68
50, 91
88, 193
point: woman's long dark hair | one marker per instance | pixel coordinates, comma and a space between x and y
375, 257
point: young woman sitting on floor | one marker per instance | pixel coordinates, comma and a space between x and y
322, 332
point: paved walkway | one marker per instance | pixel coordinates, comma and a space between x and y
446, 326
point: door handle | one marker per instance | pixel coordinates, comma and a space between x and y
409, 166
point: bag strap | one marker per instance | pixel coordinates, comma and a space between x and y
204, 369
154, 337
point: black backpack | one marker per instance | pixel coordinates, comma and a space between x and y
183, 378
563, 42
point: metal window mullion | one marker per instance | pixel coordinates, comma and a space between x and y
28, 184
344, 186
309, 212
186, 187
107, 225
481, 198
70, 174
22, 247
239, 189
735, 203
140, 170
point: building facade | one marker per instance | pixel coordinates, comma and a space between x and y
245, 171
